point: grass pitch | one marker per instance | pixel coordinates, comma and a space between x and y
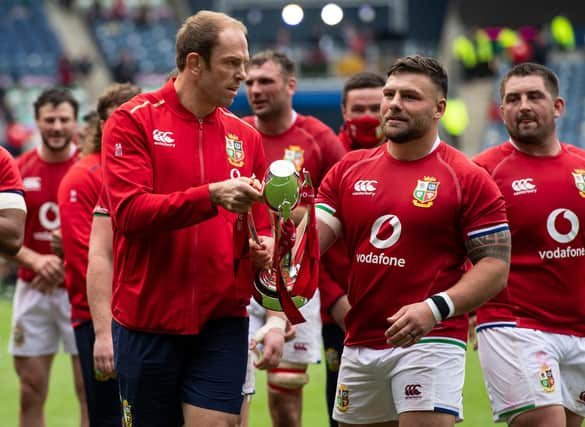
62, 409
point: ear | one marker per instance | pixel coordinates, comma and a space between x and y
292, 84
559, 106
194, 63
441, 106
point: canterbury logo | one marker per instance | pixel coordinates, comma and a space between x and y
365, 187
525, 185
412, 390
163, 138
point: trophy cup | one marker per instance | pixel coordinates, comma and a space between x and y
292, 280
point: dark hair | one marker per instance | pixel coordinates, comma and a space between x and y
361, 81
551, 81
286, 64
114, 96
56, 96
200, 32
90, 116
425, 65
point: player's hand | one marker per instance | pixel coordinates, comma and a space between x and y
103, 356
471, 335
42, 285
57, 242
273, 349
261, 253
290, 332
50, 268
236, 194
409, 324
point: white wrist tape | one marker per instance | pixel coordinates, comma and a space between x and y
441, 305
272, 322
434, 309
449, 302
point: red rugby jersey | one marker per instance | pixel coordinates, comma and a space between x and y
10, 180
77, 196
174, 251
41, 181
405, 225
545, 202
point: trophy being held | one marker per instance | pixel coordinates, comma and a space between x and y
293, 278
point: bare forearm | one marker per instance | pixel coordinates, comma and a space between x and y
25, 257
480, 284
11, 230
99, 293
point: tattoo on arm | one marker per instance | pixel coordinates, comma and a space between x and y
495, 245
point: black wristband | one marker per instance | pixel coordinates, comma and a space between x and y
441, 305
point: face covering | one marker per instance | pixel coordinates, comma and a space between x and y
364, 131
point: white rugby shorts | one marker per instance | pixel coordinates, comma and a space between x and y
525, 369
40, 322
376, 386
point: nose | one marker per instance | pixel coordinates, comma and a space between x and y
57, 125
241, 72
524, 104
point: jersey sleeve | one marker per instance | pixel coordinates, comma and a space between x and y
484, 208
128, 179
328, 199
101, 207
11, 189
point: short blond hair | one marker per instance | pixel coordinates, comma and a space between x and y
200, 32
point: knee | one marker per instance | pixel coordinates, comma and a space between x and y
288, 377
32, 394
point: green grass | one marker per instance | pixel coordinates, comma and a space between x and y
62, 409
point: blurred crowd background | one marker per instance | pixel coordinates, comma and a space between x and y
87, 44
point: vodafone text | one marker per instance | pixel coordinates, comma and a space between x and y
558, 253
380, 259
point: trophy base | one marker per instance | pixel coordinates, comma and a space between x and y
266, 295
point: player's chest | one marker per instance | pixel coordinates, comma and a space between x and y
421, 198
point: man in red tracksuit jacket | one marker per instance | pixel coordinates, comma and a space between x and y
178, 169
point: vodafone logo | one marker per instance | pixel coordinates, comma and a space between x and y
49, 216
551, 225
365, 187
523, 186
394, 222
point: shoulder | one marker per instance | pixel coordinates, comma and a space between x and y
459, 164
27, 158
312, 124
231, 121
573, 150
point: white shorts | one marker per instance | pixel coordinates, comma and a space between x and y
376, 386
305, 347
40, 321
524, 369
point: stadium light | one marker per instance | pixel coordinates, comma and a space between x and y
331, 14
366, 13
292, 14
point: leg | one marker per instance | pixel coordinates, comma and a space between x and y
386, 424
573, 420
286, 407
214, 373
333, 343
244, 416
200, 417
80, 391
553, 415
426, 419
33, 374
149, 368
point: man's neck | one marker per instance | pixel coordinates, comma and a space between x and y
276, 125
191, 98
51, 156
413, 150
548, 147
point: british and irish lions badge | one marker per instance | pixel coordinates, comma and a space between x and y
292, 279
